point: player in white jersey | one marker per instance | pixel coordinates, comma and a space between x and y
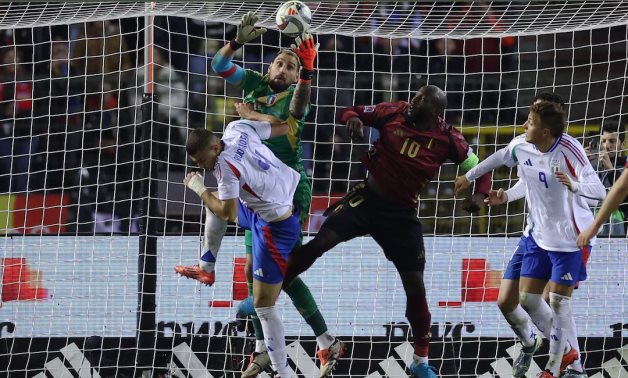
558, 180
255, 190
539, 311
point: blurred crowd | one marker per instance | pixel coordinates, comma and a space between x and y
70, 101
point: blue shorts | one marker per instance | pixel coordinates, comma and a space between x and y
513, 270
565, 268
272, 243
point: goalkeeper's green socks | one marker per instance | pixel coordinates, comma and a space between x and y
260, 346
302, 299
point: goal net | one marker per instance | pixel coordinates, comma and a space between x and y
97, 99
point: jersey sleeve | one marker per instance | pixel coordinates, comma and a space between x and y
516, 191
252, 80
496, 160
261, 128
227, 176
588, 182
460, 149
370, 114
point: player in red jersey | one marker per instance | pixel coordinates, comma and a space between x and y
414, 142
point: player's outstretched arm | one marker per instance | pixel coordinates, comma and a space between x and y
278, 126
616, 195
496, 160
307, 50
222, 64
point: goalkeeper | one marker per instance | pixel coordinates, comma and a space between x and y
273, 95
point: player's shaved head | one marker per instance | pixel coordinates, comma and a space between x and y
437, 97
429, 102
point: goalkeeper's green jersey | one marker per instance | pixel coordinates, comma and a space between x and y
257, 91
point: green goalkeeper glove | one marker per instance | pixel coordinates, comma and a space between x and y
247, 30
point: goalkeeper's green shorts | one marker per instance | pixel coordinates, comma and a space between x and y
302, 202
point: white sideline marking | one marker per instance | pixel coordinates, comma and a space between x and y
78, 361
57, 369
502, 367
392, 368
623, 352
614, 368
192, 364
177, 372
406, 352
303, 362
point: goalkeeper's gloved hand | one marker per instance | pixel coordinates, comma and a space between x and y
194, 181
307, 50
472, 203
247, 30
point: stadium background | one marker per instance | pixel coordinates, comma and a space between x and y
70, 160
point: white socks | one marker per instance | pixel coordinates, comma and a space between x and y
561, 325
275, 339
573, 342
215, 229
539, 311
518, 320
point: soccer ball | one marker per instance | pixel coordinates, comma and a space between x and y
293, 18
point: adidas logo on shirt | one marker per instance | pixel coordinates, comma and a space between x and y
567, 277
528, 162
259, 272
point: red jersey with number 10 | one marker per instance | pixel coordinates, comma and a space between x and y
404, 159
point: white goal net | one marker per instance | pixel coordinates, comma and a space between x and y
97, 100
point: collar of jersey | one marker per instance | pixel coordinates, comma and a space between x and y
555, 143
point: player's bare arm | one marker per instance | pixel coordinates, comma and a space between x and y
278, 126
615, 196
227, 209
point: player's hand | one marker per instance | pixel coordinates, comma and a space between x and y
472, 204
496, 197
194, 181
584, 239
460, 185
356, 129
565, 180
247, 30
306, 49
244, 110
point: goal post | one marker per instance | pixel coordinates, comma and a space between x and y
94, 115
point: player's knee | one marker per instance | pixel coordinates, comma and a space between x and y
560, 304
263, 300
529, 301
507, 301
506, 304
413, 283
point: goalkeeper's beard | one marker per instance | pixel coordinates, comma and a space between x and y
278, 86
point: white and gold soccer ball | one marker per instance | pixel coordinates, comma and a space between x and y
293, 18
